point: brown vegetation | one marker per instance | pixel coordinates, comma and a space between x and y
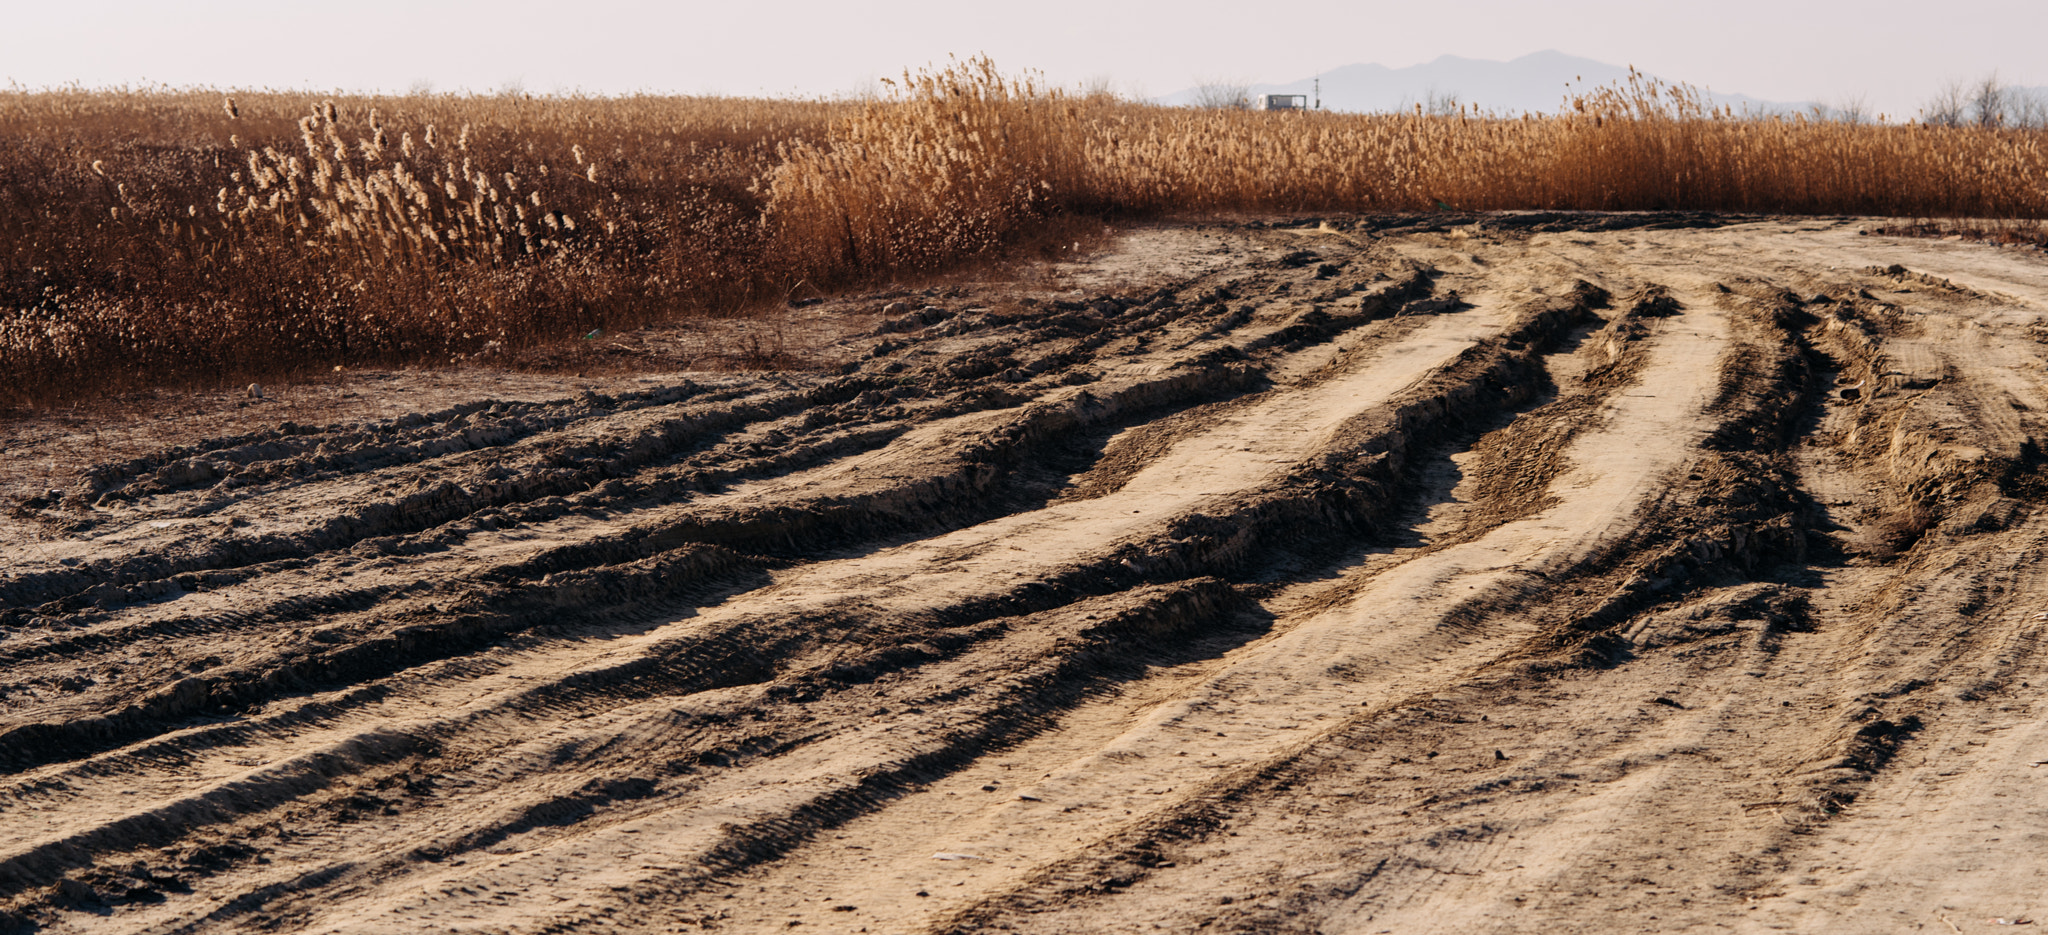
158, 237
2019, 233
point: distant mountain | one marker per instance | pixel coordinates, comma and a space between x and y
1534, 83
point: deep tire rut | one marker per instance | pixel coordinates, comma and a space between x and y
1357, 584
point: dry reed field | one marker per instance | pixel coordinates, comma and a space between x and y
162, 237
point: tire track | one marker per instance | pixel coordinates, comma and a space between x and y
1370, 581
1291, 328
1405, 628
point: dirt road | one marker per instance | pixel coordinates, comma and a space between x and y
1515, 574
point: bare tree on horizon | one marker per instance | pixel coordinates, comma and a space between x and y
1223, 95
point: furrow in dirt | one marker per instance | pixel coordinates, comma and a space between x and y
662, 424
1686, 817
1548, 320
809, 817
1384, 575
1285, 326
960, 470
1403, 631
1520, 338
1481, 630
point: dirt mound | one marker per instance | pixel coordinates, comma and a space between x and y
1534, 572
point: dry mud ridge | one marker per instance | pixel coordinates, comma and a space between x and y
1514, 574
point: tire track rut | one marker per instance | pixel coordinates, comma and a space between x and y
1417, 573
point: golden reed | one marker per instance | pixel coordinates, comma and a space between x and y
162, 237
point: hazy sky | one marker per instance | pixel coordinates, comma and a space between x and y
1890, 52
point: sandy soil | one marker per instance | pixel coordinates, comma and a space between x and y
1537, 573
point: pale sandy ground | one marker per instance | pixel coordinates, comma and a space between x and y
1321, 603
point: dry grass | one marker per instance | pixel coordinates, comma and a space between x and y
155, 237
2005, 232
168, 237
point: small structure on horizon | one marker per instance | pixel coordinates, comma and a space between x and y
1280, 102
